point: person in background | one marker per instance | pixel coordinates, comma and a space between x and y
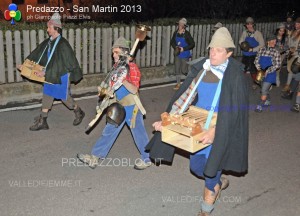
267, 59
294, 52
294, 67
256, 41
182, 43
282, 47
289, 24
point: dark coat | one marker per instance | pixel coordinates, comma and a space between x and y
230, 148
188, 38
63, 61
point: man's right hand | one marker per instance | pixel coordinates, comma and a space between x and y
20, 67
157, 126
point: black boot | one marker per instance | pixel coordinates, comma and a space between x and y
287, 95
39, 124
79, 114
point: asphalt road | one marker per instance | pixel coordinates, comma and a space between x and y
40, 175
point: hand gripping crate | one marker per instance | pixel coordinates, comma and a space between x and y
185, 130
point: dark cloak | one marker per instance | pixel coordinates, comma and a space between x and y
230, 148
63, 61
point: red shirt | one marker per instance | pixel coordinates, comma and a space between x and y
134, 75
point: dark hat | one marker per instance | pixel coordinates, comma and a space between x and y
297, 20
270, 37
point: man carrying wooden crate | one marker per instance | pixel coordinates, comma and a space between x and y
60, 68
218, 85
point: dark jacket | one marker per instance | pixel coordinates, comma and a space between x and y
63, 61
230, 148
188, 38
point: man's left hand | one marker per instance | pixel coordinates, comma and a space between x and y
209, 136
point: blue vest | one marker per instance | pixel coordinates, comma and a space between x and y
180, 41
265, 62
121, 93
206, 92
253, 43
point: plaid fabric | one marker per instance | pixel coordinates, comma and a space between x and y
217, 70
134, 75
272, 52
180, 101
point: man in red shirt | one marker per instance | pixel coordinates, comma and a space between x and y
124, 82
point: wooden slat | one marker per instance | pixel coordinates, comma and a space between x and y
41, 36
207, 38
2, 65
153, 47
9, 53
26, 44
121, 32
91, 56
148, 49
78, 45
84, 50
198, 42
158, 46
71, 38
32, 40
164, 46
173, 29
104, 50
64, 33
127, 33
98, 50
168, 40
18, 52
109, 46
203, 40
195, 37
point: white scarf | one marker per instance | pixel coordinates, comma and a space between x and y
216, 70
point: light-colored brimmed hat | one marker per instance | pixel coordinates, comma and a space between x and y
218, 25
281, 25
182, 21
121, 42
221, 38
55, 20
249, 20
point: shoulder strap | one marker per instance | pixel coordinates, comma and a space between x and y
52, 51
213, 105
193, 91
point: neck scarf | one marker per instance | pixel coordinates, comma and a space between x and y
216, 70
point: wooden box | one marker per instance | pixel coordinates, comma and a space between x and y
28, 70
185, 130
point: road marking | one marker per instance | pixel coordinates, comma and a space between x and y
76, 99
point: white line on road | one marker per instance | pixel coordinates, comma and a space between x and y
81, 98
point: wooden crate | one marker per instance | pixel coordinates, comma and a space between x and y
183, 137
28, 71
